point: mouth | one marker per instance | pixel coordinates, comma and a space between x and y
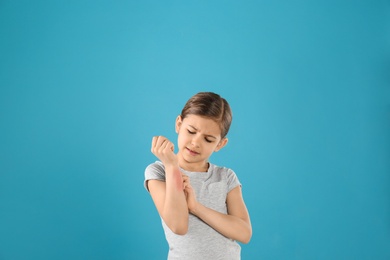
192, 152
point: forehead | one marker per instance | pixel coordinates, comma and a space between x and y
203, 124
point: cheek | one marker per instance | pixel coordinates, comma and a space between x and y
180, 140
211, 148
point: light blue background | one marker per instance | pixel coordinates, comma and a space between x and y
84, 85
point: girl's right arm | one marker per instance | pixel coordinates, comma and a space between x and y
169, 196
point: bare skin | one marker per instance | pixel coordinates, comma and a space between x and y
169, 196
198, 138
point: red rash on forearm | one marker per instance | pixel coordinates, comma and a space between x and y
178, 180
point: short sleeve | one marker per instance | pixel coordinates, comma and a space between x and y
154, 171
232, 180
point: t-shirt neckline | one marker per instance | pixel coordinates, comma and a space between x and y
208, 170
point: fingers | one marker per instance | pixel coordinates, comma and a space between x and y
160, 144
163, 149
186, 181
154, 141
158, 141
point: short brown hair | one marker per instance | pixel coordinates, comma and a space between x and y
210, 105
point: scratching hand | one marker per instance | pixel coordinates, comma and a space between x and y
190, 194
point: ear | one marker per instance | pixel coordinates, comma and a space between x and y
221, 144
179, 121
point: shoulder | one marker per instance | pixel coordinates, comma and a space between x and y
157, 165
221, 170
155, 169
225, 174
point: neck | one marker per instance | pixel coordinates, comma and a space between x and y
194, 167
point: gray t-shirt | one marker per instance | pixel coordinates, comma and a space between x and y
201, 241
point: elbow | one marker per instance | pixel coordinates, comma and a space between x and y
179, 228
178, 224
246, 238
181, 231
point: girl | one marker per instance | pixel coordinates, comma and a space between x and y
201, 205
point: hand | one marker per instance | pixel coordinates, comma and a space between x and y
164, 150
190, 194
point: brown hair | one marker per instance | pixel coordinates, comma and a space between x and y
210, 105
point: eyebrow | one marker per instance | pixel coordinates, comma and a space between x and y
205, 135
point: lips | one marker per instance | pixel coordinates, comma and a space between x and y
192, 152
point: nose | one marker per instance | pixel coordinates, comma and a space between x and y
195, 140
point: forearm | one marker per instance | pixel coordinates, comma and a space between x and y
175, 210
230, 226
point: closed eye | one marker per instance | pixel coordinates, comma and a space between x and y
191, 132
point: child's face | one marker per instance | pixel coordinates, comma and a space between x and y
198, 138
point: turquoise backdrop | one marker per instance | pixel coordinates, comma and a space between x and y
84, 85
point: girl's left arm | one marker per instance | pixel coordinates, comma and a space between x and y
235, 225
